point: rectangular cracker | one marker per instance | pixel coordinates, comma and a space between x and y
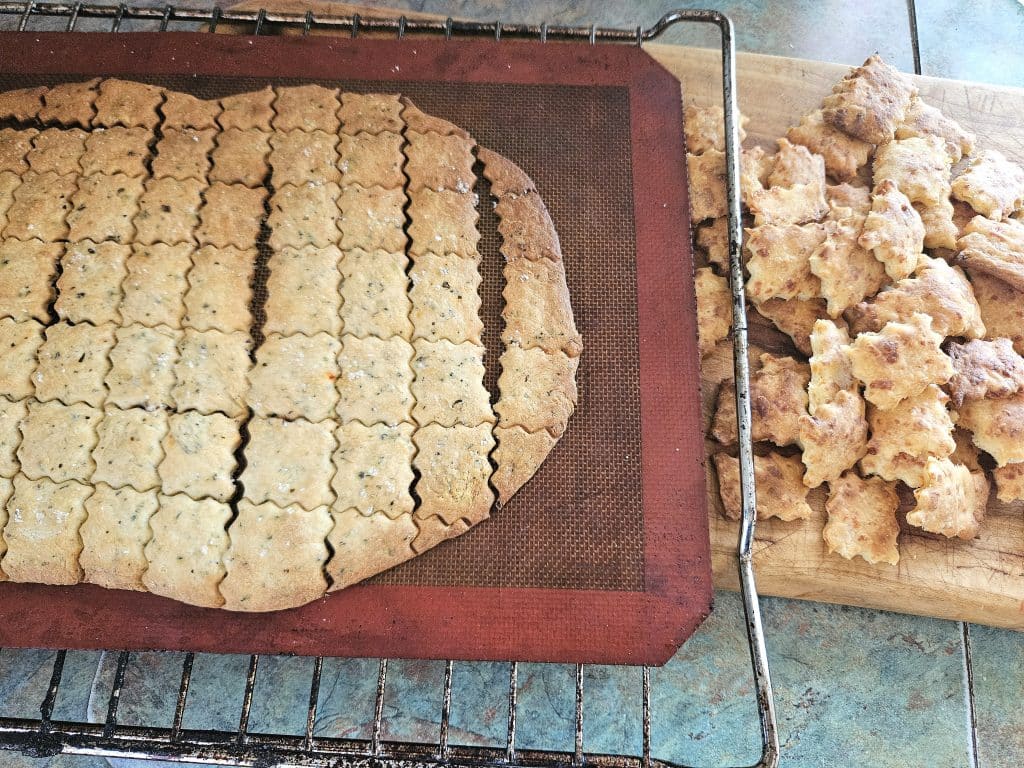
129, 448
130, 104
183, 153
220, 289
116, 150
294, 377
11, 415
240, 157
57, 441
27, 270
276, 557
89, 286
15, 144
114, 536
304, 215
20, 341
168, 211
42, 531
9, 182
372, 160
443, 222
210, 374
307, 108
537, 311
70, 104
232, 216
103, 208
57, 150
374, 380
373, 469
439, 162
538, 390
365, 545
526, 229
302, 291
445, 302
454, 470
185, 111
199, 455
155, 286
374, 294
449, 385
41, 207
289, 462
372, 219
370, 112
247, 110
142, 367
186, 553
73, 363
300, 156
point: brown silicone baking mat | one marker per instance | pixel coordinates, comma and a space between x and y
590, 528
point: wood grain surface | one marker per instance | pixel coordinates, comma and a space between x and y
980, 580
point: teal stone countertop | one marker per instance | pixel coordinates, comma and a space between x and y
853, 687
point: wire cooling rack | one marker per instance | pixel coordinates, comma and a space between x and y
45, 735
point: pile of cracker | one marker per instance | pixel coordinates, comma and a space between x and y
241, 343
891, 251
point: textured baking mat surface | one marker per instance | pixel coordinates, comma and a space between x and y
578, 528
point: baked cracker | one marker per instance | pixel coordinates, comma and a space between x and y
116, 150
11, 415
704, 128
57, 150
306, 107
372, 219
23, 104
299, 156
154, 289
1009, 480
142, 367
89, 286
220, 289
706, 174
210, 373
984, 369
276, 557
186, 553
537, 311
42, 531
114, 536
304, 215
199, 455
869, 102
26, 278
517, 458
453, 472
893, 230
439, 162
231, 216
445, 223
128, 450
168, 211
779, 263
20, 342
448, 385
904, 436
374, 292
73, 362
862, 519
184, 153
57, 441
922, 119
997, 426
103, 208
848, 272
70, 104
993, 247
247, 111
714, 309
241, 157
899, 361
1002, 309
991, 184
370, 112
121, 102
834, 438
919, 166
831, 371
538, 390
374, 380
371, 160
184, 111
779, 481
15, 144
289, 462
365, 545
294, 377
844, 155
795, 318
373, 469
446, 305
778, 397
951, 502
41, 207
302, 291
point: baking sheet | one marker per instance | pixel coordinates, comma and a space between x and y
603, 556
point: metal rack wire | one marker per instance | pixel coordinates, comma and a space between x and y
45, 736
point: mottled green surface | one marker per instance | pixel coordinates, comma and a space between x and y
853, 687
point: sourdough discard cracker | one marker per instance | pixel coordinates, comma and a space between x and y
20, 342
42, 207
298, 157
538, 390
779, 262
231, 216
142, 364
210, 373
870, 102
247, 110
26, 278
848, 273
103, 208
919, 166
453, 472
114, 534
893, 230
73, 362
1009, 480
373, 469
374, 380
373, 160
219, 290
705, 128
997, 426
128, 449
1001, 307
374, 294
992, 185
168, 212
155, 286
302, 291
240, 157
834, 438
57, 150
446, 305
57, 441
843, 154
121, 102
289, 462
922, 119
778, 397
307, 108
984, 369
952, 500
899, 361
795, 318
706, 173
294, 377
116, 150
448, 386
89, 286
714, 309
862, 519
184, 153
199, 455
779, 482
304, 215
995, 248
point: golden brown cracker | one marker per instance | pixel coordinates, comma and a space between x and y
247, 111
704, 128
293, 377
365, 545
372, 219
70, 104
1009, 480
834, 438
453, 472
370, 112
103, 208
995, 248
538, 389
714, 309
302, 291
869, 102
231, 216
997, 426
289, 462
220, 289
843, 154
299, 156
952, 500
22, 104
439, 162
20, 341
445, 222
374, 294
183, 111
1002, 309
41, 207
240, 157
155, 286
991, 184
779, 482
57, 441
779, 263
58, 150
448, 385
984, 369
26, 278
73, 363
706, 173
526, 229
89, 286
922, 119
375, 378
116, 150
446, 305
374, 469
893, 230
518, 457
130, 104
919, 166
114, 535
862, 519
848, 273
168, 211
304, 215
306, 107
795, 318
184, 153
778, 397
372, 160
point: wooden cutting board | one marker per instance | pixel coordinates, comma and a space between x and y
980, 580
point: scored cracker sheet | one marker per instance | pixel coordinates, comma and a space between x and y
397, 230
